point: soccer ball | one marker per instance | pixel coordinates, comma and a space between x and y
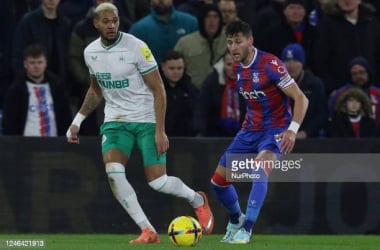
184, 231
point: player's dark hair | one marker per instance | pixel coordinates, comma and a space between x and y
34, 50
173, 55
236, 27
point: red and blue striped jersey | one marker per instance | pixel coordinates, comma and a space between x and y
260, 83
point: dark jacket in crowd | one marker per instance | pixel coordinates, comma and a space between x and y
342, 127
316, 116
180, 107
208, 109
7, 12
17, 102
337, 41
280, 34
34, 27
134, 9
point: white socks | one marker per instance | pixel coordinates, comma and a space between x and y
125, 194
175, 186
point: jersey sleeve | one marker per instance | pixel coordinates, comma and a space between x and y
86, 59
278, 73
145, 59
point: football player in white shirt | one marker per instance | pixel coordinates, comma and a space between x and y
125, 73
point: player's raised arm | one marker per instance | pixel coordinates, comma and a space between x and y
91, 101
301, 102
154, 82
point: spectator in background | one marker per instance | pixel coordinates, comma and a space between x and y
361, 77
194, 6
294, 28
24, 6
7, 12
268, 14
178, 2
228, 10
203, 48
219, 111
321, 6
45, 26
315, 119
36, 104
181, 95
376, 5
162, 28
247, 10
348, 30
74, 10
352, 117
82, 35
134, 10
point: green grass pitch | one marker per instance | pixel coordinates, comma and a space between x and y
266, 242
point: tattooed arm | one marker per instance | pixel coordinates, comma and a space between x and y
91, 101
93, 97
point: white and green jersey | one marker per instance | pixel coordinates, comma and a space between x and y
118, 69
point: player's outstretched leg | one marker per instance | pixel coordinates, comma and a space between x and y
126, 195
254, 204
198, 200
226, 193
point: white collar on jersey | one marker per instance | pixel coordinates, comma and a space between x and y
253, 59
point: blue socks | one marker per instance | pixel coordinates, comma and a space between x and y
255, 200
228, 197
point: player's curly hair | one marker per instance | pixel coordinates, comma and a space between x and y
366, 109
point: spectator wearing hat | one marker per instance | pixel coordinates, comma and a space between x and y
352, 116
315, 120
293, 28
361, 76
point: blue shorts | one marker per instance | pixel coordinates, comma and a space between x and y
253, 142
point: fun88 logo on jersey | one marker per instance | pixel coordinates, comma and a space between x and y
253, 94
105, 80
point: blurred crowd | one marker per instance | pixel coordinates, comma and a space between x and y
330, 47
